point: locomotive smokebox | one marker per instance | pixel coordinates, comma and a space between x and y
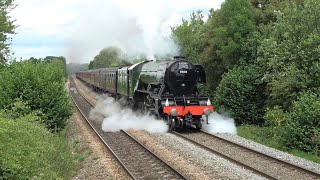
181, 77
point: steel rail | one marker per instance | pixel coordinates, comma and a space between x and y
265, 155
97, 133
157, 157
179, 174
223, 156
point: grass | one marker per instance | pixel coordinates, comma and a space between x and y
29, 151
265, 136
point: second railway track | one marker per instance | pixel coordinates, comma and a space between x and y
258, 163
255, 161
137, 160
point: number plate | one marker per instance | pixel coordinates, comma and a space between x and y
183, 72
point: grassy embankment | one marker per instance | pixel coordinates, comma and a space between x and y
29, 151
265, 135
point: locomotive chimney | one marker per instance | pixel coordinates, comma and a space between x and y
175, 58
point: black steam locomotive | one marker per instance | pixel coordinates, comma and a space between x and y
166, 88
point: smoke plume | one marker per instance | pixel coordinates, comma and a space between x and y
115, 117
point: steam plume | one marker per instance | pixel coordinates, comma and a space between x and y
122, 24
114, 117
220, 124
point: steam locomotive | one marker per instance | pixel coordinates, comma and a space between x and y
168, 89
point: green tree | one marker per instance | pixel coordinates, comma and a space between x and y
291, 53
229, 37
237, 22
220, 42
6, 28
58, 58
189, 36
265, 9
212, 62
108, 57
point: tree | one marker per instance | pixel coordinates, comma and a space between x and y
291, 53
212, 62
265, 9
108, 57
6, 28
237, 22
189, 36
221, 41
60, 58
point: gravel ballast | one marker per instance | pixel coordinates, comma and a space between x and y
192, 160
273, 152
197, 163
101, 164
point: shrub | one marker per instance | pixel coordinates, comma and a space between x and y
41, 87
29, 151
302, 130
275, 117
242, 95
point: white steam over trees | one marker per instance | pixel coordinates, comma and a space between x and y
123, 25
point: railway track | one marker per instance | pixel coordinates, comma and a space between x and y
136, 159
259, 163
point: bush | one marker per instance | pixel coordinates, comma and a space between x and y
275, 117
41, 87
29, 151
302, 130
242, 95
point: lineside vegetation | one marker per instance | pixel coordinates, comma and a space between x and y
34, 109
263, 63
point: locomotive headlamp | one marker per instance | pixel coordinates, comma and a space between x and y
173, 112
167, 102
206, 111
208, 102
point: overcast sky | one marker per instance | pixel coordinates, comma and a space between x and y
79, 29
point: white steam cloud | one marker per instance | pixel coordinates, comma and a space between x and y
114, 117
219, 124
135, 30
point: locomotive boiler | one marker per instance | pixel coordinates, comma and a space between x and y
167, 89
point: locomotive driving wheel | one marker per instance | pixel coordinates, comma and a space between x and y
171, 121
148, 104
198, 123
199, 126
